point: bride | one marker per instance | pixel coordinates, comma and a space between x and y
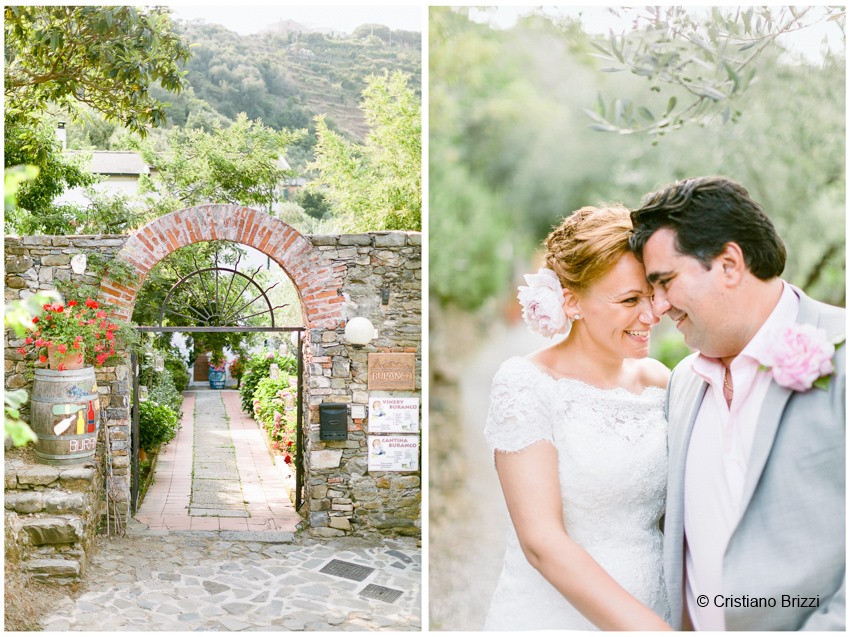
580, 442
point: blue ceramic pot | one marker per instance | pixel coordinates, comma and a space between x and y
216, 379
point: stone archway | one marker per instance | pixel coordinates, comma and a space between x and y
317, 280
375, 275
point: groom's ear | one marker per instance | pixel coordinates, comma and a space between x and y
732, 263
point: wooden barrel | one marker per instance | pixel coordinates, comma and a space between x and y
65, 415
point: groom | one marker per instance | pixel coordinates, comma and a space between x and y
755, 522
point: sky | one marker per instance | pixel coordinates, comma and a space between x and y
598, 19
247, 19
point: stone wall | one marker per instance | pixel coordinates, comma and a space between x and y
341, 497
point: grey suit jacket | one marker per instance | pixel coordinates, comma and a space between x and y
790, 539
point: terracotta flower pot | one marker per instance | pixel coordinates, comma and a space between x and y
71, 359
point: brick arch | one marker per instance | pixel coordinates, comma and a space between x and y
317, 280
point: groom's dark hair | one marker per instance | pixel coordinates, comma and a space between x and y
706, 213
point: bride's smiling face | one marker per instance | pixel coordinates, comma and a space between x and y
616, 309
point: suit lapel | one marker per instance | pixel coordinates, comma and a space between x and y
768, 424
771, 413
688, 407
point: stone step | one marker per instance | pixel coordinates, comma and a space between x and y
40, 531
74, 478
53, 570
50, 501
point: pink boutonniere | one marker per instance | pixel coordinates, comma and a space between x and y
801, 357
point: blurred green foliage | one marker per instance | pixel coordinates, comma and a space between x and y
512, 151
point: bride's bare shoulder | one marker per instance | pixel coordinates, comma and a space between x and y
652, 373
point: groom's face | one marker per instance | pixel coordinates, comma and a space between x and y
691, 295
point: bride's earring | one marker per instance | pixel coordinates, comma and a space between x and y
577, 317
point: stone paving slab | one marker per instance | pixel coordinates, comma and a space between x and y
192, 581
217, 513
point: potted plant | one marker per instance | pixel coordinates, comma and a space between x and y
217, 369
236, 370
76, 334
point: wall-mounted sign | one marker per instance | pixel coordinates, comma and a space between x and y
393, 415
392, 372
393, 453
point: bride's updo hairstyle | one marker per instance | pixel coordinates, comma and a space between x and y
588, 244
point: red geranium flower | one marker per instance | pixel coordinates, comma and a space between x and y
72, 303
287, 459
42, 359
62, 348
110, 336
62, 367
22, 351
92, 304
101, 358
28, 340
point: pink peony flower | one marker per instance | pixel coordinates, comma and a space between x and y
543, 303
801, 354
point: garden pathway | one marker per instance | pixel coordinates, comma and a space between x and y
233, 484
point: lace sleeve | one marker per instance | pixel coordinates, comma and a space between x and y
518, 415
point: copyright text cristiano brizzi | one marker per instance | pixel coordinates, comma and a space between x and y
750, 601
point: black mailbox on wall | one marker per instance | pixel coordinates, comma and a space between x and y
333, 421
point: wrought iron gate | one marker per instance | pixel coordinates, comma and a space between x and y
217, 306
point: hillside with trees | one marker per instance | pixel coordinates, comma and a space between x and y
218, 116
284, 76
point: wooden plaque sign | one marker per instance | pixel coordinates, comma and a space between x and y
391, 371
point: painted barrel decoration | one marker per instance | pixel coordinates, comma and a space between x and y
216, 379
65, 415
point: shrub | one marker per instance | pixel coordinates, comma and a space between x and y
275, 409
175, 364
256, 369
157, 425
165, 393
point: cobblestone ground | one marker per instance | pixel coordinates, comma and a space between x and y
242, 567
234, 581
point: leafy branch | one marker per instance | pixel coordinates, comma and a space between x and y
708, 61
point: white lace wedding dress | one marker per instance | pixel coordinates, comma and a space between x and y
612, 464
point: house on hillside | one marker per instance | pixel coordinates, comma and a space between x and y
122, 171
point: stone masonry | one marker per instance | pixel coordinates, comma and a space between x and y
338, 277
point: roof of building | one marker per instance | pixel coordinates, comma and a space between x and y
114, 162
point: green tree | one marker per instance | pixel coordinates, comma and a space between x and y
106, 57
376, 185
238, 164
73, 60
36, 145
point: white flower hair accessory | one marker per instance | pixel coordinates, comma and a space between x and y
543, 303
801, 357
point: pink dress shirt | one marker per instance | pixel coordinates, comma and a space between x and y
717, 460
